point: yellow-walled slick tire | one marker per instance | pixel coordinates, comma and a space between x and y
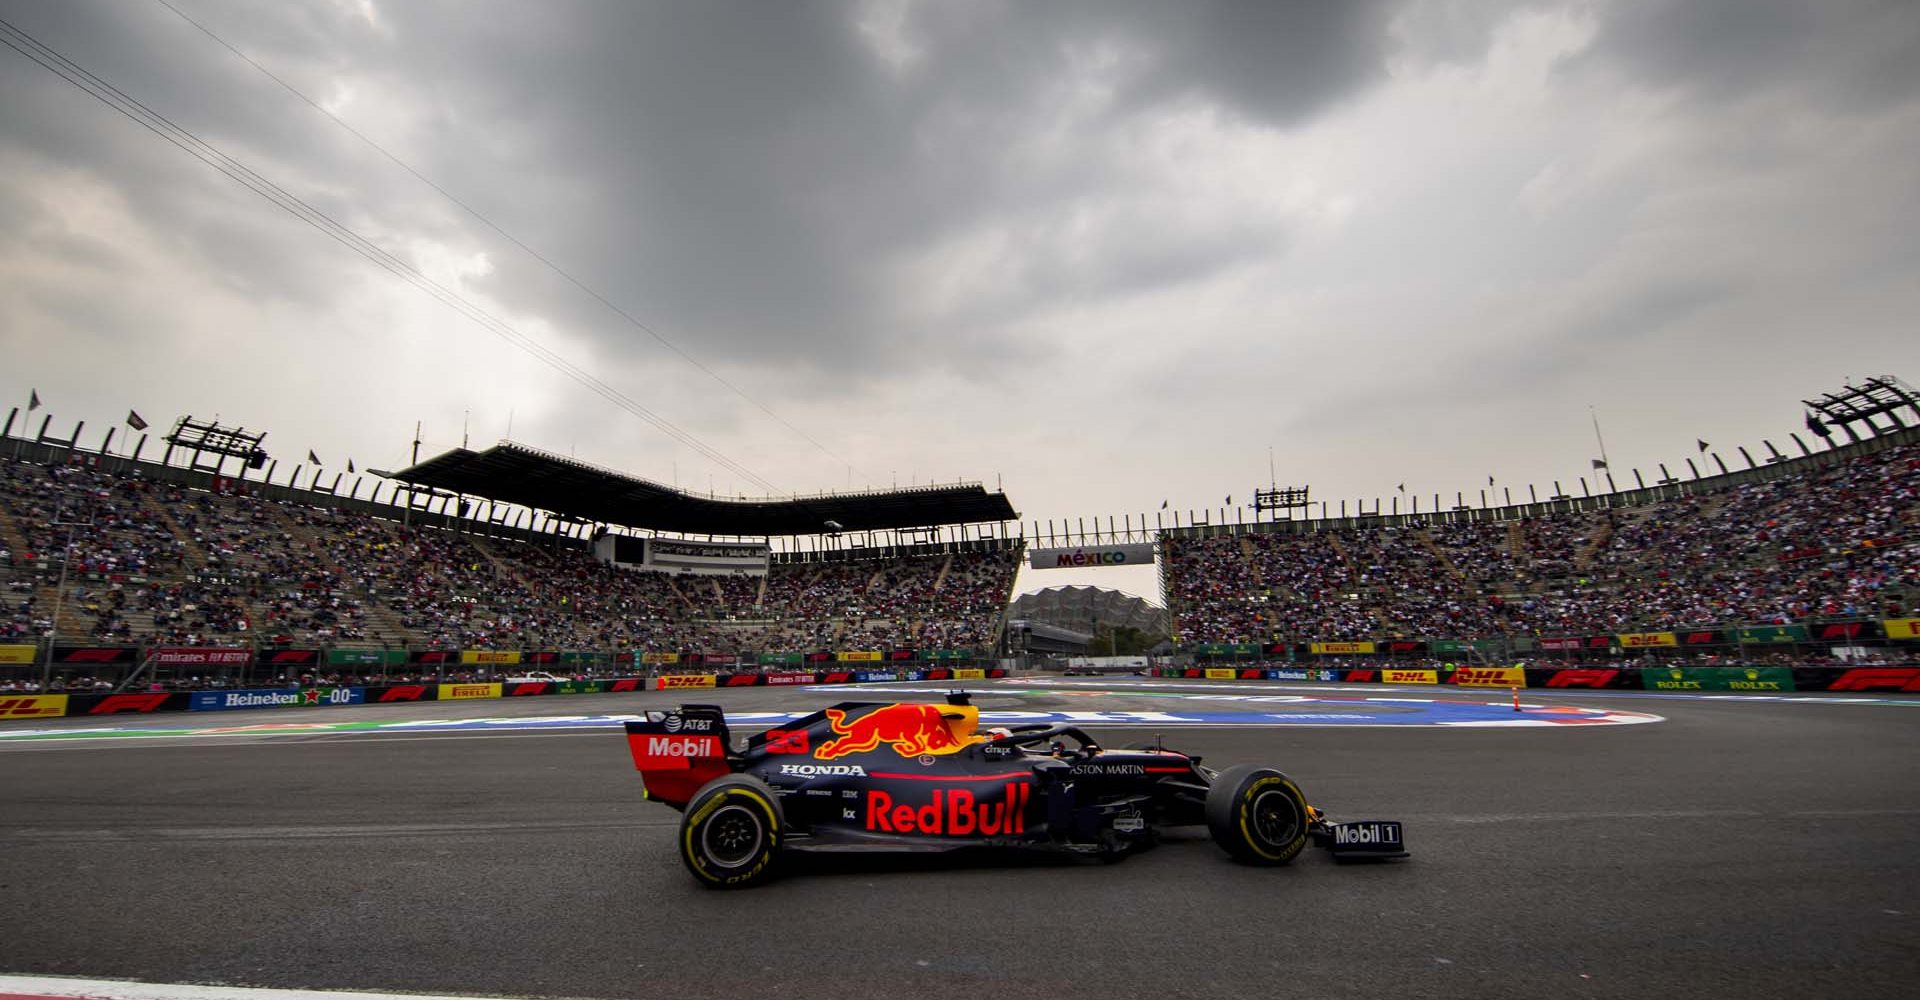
1258, 815
731, 831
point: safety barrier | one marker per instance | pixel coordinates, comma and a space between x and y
78, 655
1752, 680
46, 706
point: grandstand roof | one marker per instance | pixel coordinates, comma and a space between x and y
1076, 607
512, 473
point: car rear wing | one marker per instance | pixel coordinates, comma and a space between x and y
678, 751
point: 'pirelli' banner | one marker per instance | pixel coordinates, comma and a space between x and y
1327, 648
1647, 640
500, 656
858, 656
17, 654
1221, 673
1897, 628
669, 682
468, 692
1506, 677
659, 659
1410, 676
32, 706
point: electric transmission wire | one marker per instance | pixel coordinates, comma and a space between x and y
509, 237
24, 43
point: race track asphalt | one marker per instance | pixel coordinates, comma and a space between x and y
1739, 848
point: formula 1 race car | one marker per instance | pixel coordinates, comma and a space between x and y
916, 776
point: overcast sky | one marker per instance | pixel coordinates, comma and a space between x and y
1103, 253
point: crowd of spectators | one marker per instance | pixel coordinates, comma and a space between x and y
155, 563
1835, 542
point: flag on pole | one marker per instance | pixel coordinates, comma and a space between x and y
311, 457
1489, 480
1818, 426
1229, 499
1163, 505
349, 465
1703, 445
1403, 487
1599, 463
33, 400
134, 421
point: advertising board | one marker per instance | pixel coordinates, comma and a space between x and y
1080, 557
468, 692
209, 701
32, 706
1489, 677
200, 656
505, 657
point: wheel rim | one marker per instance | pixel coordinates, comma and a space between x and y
1275, 818
732, 836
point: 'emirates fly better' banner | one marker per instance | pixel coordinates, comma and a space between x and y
201, 656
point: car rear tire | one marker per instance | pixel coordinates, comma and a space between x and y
731, 831
1258, 815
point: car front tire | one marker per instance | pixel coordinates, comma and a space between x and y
1258, 815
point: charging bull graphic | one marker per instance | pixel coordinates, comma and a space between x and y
911, 729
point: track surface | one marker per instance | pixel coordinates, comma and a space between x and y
1761, 849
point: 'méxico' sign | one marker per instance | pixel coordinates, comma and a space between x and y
1134, 554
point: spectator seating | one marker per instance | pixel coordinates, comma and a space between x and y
155, 563
1825, 543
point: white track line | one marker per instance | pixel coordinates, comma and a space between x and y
109, 989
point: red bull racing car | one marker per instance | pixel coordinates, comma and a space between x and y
919, 776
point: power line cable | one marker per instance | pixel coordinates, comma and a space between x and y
509, 237
24, 43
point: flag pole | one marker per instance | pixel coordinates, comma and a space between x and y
1597, 438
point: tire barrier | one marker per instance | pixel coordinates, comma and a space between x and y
47, 706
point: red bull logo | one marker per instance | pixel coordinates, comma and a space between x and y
953, 813
911, 730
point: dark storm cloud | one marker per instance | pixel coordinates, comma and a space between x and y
200, 216
743, 176
1848, 54
1075, 230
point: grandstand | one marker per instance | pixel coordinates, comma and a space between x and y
98, 550
1824, 539
513, 549
1066, 619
